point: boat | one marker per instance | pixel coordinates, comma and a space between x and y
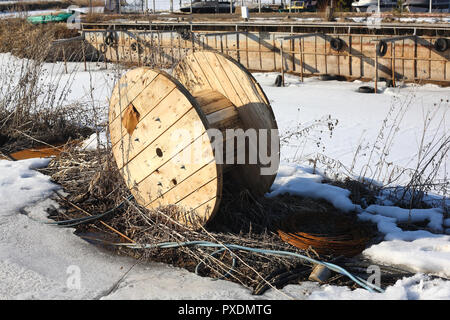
208, 6
372, 5
42, 19
424, 5
301, 6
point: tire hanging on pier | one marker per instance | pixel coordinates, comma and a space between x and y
381, 48
441, 44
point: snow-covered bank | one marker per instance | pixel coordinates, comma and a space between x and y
39, 261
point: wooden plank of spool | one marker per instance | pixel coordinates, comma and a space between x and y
232, 80
160, 138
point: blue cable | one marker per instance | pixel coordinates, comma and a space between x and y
361, 282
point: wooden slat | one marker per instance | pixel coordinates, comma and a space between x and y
152, 125
191, 192
219, 118
175, 171
212, 101
128, 88
175, 139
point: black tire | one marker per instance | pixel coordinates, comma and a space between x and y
135, 46
102, 48
366, 89
278, 81
441, 44
110, 39
327, 77
390, 83
336, 44
185, 34
381, 48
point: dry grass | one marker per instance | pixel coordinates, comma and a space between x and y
94, 184
25, 40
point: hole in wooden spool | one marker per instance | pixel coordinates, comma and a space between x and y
174, 182
130, 119
159, 152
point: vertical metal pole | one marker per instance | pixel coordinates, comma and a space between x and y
83, 47
64, 58
238, 53
376, 69
191, 7
431, 5
301, 58
259, 6
282, 63
171, 6
231, 6
154, 7
393, 62
290, 5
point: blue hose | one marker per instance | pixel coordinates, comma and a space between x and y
361, 282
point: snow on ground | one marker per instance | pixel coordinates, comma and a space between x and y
39, 260
359, 118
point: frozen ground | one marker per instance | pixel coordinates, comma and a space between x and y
41, 261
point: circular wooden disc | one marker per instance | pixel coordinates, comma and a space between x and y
161, 146
208, 70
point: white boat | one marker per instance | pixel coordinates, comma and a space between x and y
208, 6
424, 5
372, 5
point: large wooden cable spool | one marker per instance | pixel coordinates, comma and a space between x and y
159, 128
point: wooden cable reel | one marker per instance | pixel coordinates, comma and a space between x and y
159, 127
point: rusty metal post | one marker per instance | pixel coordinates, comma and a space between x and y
393, 62
376, 68
301, 58
282, 63
64, 58
83, 48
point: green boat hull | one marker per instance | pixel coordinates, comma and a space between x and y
61, 17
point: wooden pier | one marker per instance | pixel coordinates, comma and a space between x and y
346, 50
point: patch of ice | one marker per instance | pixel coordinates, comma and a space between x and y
20, 185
